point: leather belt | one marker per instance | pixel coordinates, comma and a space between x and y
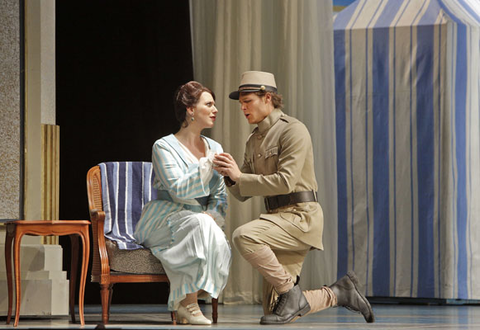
274, 202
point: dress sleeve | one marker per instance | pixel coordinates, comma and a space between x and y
179, 183
217, 200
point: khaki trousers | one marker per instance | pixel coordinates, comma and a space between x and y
279, 257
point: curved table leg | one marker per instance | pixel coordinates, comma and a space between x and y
73, 273
16, 264
86, 255
8, 262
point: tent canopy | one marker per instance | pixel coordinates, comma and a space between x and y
408, 152
402, 13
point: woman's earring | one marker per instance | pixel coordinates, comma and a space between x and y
192, 119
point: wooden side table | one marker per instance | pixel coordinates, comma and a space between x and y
75, 229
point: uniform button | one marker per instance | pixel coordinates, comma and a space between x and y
259, 137
259, 155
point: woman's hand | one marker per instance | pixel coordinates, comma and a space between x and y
225, 165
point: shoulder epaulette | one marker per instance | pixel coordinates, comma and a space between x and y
287, 118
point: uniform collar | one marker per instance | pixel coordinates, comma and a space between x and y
270, 120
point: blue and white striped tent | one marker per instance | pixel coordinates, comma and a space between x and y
408, 152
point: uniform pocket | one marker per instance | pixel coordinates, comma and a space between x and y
271, 160
295, 219
271, 152
249, 163
292, 217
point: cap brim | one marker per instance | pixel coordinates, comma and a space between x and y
234, 95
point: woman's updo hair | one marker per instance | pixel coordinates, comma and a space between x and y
187, 96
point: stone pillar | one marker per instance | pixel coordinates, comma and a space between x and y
10, 111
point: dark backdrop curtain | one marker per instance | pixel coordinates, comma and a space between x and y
118, 65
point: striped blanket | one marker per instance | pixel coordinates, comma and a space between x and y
126, 188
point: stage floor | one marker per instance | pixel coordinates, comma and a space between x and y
247, 317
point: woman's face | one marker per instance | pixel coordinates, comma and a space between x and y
205, 112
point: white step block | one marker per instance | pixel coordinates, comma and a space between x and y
44, 285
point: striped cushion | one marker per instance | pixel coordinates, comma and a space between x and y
126, 188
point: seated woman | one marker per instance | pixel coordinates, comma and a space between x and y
183, 226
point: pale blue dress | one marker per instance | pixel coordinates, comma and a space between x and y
190, 244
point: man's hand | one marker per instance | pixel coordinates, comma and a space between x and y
225, 165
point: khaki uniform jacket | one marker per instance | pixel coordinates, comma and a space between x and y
279, 160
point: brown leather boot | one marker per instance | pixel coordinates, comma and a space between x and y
348, 296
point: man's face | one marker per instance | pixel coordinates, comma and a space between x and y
254, 107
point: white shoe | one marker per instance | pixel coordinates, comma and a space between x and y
191, 314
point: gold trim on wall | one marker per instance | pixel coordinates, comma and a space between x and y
50, 177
